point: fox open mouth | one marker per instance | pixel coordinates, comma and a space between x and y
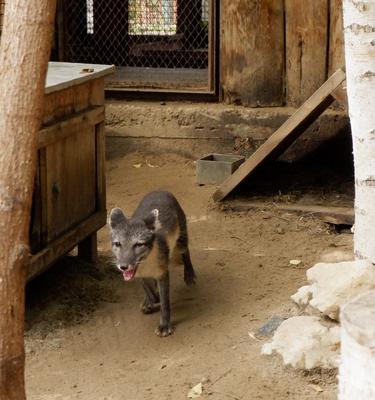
129, 273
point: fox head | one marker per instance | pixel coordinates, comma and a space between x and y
132, 240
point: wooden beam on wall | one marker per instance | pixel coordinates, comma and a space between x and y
336, 37
252, 52
306, 48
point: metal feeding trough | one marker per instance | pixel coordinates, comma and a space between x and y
215, 168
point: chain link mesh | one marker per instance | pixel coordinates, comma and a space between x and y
138, 33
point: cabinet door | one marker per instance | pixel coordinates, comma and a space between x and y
70, 180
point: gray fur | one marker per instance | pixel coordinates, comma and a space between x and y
141, 243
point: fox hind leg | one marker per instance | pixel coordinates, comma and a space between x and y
183, 248
189, 274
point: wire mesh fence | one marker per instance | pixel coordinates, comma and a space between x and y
138, 33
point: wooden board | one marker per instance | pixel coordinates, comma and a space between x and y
333, 215
341, 95
252, 52
306, 48
71, 181
285, 135
61, 75
65, 243
2, 8
336, 37
70, 126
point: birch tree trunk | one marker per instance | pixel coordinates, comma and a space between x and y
357, 367
24, 53
359, 31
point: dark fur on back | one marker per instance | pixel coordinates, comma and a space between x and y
170, 211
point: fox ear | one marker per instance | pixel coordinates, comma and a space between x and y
116, 218
152, 220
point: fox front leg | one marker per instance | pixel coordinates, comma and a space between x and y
151, 302
165, 327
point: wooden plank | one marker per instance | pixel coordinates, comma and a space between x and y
61, 75
97, 96
71, 181
70, 126
100, 167
306, 48
341, 95
285, 135
35, 232
336, 38
81, 96
252, 52
211, 45
333, 215
59, 247
43, 196
58, 105
2, 8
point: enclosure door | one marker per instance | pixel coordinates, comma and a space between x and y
155, 44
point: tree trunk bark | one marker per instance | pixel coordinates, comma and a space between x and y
24, 53
357, 366
359, 31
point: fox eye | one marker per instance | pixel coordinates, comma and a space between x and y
117, 244
139, 244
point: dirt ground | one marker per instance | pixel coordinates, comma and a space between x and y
86, 338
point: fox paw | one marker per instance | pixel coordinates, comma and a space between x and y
164, 330
148, 307
190, 279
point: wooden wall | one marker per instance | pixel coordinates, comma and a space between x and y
278, 52
252, 51
2, 6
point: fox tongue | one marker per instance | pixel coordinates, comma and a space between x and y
129, 274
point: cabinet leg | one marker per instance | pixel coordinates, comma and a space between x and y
88, 248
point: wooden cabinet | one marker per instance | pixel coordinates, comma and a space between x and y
69, 195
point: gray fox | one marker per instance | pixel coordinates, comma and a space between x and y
143, 246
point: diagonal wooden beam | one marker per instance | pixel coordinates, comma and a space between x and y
341, 96
280, 140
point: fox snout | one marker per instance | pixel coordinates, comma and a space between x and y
124, 268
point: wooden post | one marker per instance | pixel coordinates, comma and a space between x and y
24, 51
88, 248
357, 368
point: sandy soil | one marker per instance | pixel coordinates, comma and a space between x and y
86, 338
